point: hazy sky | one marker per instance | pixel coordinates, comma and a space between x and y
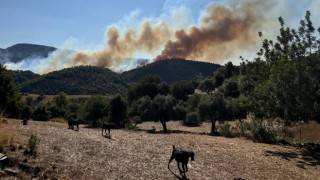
53, 22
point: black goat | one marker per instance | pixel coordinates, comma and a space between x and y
73, 123
108, 126
24, 121
182, 157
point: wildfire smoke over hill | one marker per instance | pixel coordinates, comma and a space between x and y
222, 31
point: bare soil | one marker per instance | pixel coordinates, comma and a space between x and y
86, 154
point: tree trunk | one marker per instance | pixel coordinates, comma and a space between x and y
213, 126
241, 126
164, 126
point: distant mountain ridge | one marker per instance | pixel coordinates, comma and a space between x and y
172, 70
19, 52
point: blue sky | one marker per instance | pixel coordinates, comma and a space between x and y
52, 23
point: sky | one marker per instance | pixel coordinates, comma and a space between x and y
108, 32
52, 23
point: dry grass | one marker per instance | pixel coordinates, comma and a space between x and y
7, 135
309, 132
86, 154
59, 120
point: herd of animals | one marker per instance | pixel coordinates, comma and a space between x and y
181, 156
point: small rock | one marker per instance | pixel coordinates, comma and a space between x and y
2, 172
11, 171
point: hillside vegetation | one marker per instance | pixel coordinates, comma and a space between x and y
97, 80
172, 70
21, 76
76, 80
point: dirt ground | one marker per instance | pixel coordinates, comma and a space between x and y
86, 154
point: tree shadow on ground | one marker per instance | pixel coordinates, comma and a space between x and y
311, 154
153, 131
108, 137
307, 155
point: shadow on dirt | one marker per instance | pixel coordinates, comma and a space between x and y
308, 155
177, 176
108, 137
153, 131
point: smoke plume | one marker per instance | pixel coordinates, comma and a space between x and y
220, 34
148, 40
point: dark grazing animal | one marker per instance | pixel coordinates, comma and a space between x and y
182, 157
108, 126
24, 121
73, 123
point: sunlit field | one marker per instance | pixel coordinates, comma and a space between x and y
86, 154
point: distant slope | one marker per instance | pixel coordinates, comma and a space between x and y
77, 80
23, 76
172, 70
18, 52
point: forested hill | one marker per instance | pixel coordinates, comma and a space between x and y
172, 70
21, 76
97, 80
77, 80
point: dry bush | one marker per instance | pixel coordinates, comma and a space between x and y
310, 132
59, 120
2, 120
34, 141
7, 135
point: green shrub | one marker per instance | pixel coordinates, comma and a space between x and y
129, 126
225, 130
33, 143
133, 122
192, 119
136, 120
100, 122
261, 133
41, 114
246, 127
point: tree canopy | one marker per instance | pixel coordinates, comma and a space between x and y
10, 100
